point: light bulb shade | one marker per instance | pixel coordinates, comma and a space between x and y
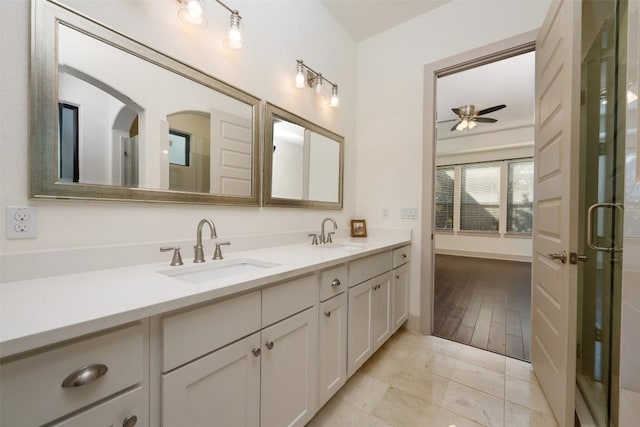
300, 80
319, 84
334, 97
192, 12
235, 37
472, 124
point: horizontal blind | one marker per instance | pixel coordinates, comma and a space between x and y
520, 197
480, 197
444, 198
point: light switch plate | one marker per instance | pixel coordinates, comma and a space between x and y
409, 213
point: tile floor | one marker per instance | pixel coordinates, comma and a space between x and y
416, 380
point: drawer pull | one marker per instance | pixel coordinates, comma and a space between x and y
404, 256
327, 313
269, 344
84, 375
256, 352
397, 277
130, 421
335, 283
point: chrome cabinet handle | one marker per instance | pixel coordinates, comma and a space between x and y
404, 256
327, 313
335, 283
562, 256
256, 352
269, 345
130, 421
84, 375
397, 277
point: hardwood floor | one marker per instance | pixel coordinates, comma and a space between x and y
485, 303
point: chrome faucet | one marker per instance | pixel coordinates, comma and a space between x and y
199, 252
326, 238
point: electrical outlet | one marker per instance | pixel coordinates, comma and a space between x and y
21, 222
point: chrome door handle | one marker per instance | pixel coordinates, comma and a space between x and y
590, 215
269, 344
335, 283
562, 256
256, 352
327, 313
85, 375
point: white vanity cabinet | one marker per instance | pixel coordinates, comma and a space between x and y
332, 331
369, 305
217, 375
78, 376
400, 286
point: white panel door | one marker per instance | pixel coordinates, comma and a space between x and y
554, 283
332, 327
381, 310
231, 154
221, 389
400, 296
289, 377
360, 336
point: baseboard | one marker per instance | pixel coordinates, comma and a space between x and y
487, 255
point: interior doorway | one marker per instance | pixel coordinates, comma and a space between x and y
483, 203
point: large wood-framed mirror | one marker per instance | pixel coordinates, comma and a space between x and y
303, 162
114, 119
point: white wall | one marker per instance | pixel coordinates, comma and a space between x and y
266, 68
389, 163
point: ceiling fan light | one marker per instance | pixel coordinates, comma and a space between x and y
462, 125
472, 124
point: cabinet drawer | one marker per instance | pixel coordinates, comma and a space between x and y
31, 388
371, 266
191, 334
401, 256
332, 282
127, 407
288, 298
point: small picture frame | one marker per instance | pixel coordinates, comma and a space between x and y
358, 228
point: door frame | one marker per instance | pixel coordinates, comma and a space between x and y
502, 49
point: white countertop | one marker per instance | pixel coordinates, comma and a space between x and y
39, 312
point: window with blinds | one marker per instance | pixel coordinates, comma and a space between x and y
444, 197
480, 197
520, 197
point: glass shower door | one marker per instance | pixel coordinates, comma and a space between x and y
601, 198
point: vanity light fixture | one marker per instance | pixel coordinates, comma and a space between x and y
192, 12
306, 76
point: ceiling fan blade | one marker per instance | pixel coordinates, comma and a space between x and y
491, 109
484, 120
446, 121
456, 125
459, 111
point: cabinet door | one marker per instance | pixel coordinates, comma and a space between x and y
289, 376
360, 344
381, 310
332, 326
221, 389
400, 296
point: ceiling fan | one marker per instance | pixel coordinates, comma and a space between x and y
468, 117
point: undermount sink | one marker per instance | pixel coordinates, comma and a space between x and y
214, 270
350, 246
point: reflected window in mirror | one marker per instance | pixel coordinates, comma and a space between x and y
179, 148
